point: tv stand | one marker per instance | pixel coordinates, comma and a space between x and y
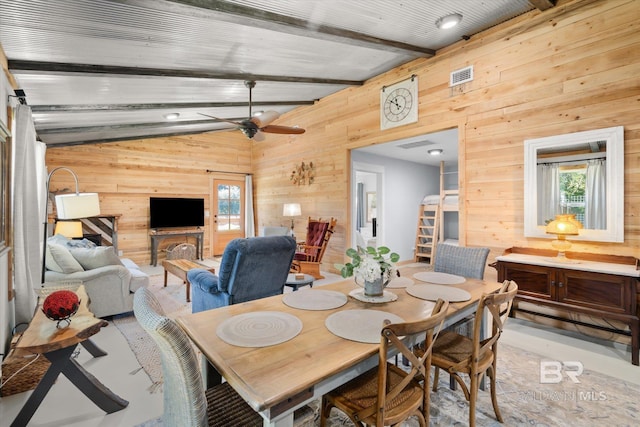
158, 235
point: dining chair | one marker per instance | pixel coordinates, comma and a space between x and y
458, 354
386, 394
459, 260
186, 402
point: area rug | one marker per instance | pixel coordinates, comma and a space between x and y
524, 398
172, 298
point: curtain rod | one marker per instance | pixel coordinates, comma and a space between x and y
236, 173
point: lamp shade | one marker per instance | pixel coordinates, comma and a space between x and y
291, 209
69, 229
77, 205
563, 225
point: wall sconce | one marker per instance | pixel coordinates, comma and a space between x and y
69, 206
292, 210
69, 229
562, 226
303, 174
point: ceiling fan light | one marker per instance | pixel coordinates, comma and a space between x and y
435, 151
448, 21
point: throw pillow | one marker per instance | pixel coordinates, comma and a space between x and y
51, 263
64, 259
99, 256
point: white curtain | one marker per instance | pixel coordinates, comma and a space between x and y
249, 220
595, 197
29, 212
549, 192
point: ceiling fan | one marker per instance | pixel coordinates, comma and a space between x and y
253, 126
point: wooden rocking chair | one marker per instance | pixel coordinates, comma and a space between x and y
309, 253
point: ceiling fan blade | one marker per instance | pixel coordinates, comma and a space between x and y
265, 118
222, 120
259, 136
287, 130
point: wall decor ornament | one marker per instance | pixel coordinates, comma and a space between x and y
303, 174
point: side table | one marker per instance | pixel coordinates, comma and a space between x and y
57, 345
294, 283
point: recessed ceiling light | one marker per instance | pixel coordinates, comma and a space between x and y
171, 116
435, 152
448, 21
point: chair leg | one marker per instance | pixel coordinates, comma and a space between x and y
473, 396
494, 399
325, 410
436, 374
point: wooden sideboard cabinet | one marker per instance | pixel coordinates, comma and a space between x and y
602, 286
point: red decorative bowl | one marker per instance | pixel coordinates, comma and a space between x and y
60, 306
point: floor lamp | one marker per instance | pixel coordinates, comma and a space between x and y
68, 206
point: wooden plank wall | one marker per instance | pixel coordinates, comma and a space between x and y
126, 174
571, 68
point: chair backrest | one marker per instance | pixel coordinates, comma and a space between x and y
185, 403
462, 261
318, 234
499, 306
255, 267
394, 335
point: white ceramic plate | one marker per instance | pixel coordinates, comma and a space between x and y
386, 296
433, 292
439, 278
314, 299
259, 328
359, 325
400, 282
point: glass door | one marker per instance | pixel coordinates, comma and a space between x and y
228, 213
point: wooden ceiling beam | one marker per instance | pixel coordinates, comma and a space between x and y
135, 126
158, 106
543, 4
243, 15
17, 67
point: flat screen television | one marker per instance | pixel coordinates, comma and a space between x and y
171, 212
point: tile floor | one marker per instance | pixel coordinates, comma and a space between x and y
66, 406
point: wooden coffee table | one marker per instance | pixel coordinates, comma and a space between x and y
179, 268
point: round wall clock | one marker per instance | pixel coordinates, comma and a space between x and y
399, 103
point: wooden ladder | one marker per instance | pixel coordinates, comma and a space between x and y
427, 233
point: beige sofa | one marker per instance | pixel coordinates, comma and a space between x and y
110, 281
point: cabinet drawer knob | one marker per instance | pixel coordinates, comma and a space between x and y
560, 284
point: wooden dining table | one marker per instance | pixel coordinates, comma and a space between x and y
276, 380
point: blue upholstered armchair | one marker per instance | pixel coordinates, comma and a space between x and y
252, 268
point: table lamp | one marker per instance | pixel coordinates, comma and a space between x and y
292, 210
69, 229
562, 226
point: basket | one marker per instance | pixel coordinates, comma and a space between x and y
21, 370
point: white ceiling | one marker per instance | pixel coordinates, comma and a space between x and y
107, 70
417, 148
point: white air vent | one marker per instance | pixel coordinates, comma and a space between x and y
416, 144
460, 76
